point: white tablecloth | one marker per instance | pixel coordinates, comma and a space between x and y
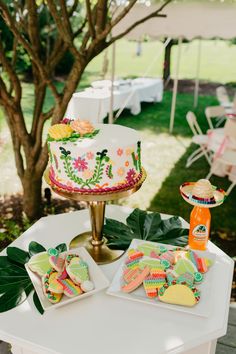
93, 104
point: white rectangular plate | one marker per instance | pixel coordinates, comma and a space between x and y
203, 308
95, 273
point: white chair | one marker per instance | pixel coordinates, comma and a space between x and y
198, 138
223, 98
225, 163
217, 113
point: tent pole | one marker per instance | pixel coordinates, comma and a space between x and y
196, 88
165, 44
175, 88
110, 118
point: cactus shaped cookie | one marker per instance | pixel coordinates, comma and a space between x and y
77, 270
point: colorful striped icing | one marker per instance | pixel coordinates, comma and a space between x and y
70, 289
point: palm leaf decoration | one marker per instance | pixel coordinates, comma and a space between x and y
15, 283
145, 226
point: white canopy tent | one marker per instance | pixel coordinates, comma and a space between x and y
185, 19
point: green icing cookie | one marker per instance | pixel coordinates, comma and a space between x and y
151, 263
184, 265
78, 271
146, 248
39, 263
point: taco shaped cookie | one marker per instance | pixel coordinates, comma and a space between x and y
179, 294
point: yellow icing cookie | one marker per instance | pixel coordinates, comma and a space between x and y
60, 131
179, 294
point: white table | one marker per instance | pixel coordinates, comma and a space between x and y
93, 104
103, 324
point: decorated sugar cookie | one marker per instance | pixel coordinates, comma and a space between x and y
57, 263
70, 289
132, 264
147, 248
151, 263
78, 270
39, 263
135, 283
130, 274
87, 286
184, 265
179, 294
150, 285
53, 285
135, 254
52, 297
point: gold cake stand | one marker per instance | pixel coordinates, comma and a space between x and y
94, 241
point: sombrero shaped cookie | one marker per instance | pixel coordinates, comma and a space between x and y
202, 193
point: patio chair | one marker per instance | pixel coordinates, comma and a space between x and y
198, 138
223, 98
217, 113
226, 162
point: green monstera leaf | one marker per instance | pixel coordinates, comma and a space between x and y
145, 226
15, 283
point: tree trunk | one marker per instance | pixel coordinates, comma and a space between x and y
32, 188
167, 61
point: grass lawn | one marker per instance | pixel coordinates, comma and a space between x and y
164, 156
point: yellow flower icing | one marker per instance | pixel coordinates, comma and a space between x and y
60, 131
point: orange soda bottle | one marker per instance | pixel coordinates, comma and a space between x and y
200, 222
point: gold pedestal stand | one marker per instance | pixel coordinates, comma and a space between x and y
94, 241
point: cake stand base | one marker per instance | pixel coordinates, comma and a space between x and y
101, 254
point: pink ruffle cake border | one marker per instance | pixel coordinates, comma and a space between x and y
95, 190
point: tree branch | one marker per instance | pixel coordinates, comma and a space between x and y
32, 27
5, 97
90, 20
13, 27
11, 74
65, 33
73, 8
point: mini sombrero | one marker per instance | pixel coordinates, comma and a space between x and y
202, 193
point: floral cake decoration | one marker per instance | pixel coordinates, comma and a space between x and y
71, 130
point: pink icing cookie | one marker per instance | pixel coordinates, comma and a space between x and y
169, 256
70, 289
135, 283
202, 265
130, 274
57, 263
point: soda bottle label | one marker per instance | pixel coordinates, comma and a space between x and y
200, 232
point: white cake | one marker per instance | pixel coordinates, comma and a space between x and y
97, 158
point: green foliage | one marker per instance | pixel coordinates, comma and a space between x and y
12, 229
37, 303
145, 226
15, 283
35, 247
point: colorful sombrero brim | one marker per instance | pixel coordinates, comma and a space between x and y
218, 198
